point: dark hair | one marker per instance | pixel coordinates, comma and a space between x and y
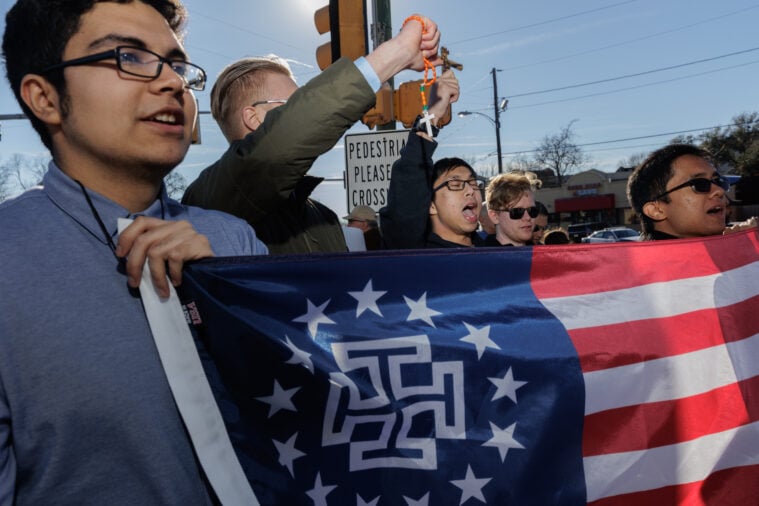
556, 236
650, 178
445, 165
542, 209
37, 31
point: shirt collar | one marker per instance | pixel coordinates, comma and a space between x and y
66, 193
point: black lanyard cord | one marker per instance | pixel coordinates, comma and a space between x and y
96, 215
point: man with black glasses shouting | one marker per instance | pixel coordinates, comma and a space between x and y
678, 193
432, 205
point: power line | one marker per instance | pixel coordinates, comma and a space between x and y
548, 21
637, 74
597, 143
196, 13
619, 90
649, 145
630, 41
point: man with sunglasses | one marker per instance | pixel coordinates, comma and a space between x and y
432, 205
678, 193
511, 206
86, 412
277, 130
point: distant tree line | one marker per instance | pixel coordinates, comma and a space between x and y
735, 149
21, 172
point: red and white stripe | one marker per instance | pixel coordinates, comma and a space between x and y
668, 339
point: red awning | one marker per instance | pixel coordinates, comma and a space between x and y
586, 203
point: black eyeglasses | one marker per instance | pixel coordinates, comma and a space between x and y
699, 185
141, 62
276, 101
538, 228
456, 185
516, 213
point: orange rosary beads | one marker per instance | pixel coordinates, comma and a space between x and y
426, 116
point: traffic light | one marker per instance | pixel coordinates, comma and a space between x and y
346, 22
407, 104
382, 112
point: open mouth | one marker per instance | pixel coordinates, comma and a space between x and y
715, 210
470, 212
166, 118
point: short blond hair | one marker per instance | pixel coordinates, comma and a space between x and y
505, 189
237, 83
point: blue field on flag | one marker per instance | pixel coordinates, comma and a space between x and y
392, 378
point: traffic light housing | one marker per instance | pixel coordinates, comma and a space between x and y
346, 22
403, 104
407, 104
382, 112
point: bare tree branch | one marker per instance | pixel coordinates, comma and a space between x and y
176, 184
560, 153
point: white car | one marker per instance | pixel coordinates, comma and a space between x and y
616, 234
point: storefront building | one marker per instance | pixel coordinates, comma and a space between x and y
590, 196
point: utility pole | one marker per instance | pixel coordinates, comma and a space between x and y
497, 111
382, 30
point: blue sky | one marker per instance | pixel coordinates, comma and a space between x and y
538, 45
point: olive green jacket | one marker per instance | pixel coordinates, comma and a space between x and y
263, 177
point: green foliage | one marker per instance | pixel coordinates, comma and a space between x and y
735, 147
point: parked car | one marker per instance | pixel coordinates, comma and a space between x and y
579, 230
614, 234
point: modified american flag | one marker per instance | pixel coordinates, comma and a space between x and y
603, 374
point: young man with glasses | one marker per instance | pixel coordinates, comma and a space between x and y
86, 413
277, 130
432, 205
511, 206
678, 193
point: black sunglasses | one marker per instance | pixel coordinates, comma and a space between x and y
516, 213
699, 185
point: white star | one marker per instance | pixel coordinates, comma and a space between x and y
280, 399
503, 439
299, 357
507, 386
314, 316
367, 299
471, 486
424, 501
419, 310
480, 338
360, 501
318, 494
288, 453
